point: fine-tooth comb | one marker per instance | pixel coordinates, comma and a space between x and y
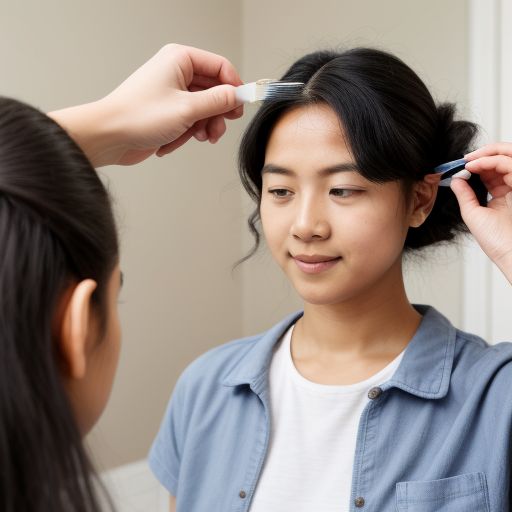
448, 169
268, 89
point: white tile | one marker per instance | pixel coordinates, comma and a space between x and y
133, 488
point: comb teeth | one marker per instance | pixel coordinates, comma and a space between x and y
268, 90
275, 91
447, 170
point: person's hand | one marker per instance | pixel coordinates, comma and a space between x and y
181, 92
492, 225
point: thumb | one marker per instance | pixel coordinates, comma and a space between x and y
212, 102
465, 196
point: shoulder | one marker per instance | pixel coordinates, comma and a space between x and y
480, 360
473, 346
219, 362
240, 359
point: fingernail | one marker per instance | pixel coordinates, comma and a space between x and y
464, 174
201, 135
470, 156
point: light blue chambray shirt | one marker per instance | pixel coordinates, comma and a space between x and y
436, 437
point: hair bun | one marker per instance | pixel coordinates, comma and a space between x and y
454, 137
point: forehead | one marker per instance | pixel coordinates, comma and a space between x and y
310, 133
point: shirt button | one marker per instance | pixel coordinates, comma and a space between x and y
242, 494
359, 502
374, 393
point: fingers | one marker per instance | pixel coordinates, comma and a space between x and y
232, 114
508, 201
211, 102
203, 82
495, 172
216, 127
235, 114
199, 130
497, 148
209, 64
207, 129
465, 196
499, 163
175, 144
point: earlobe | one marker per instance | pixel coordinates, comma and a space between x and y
76, 327
424, 196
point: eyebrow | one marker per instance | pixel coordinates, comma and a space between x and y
327, 171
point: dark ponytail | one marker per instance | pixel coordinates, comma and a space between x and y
394, 128
56, 227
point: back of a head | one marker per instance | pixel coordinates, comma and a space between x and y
56, 228
394, 129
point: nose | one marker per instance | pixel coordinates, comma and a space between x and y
310, 222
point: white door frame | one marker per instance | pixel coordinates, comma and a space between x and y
485, 309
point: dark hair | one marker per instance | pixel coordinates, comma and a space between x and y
394, 128
56, 227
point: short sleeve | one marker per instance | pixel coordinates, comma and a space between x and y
165, 453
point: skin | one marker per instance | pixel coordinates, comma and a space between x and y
180, 93
89, 356
306, 211
491, 225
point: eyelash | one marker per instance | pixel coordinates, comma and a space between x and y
350, 190
275, 192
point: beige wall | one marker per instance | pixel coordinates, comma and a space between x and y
180, 217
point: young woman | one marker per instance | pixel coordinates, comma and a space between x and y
59, 265
362, 401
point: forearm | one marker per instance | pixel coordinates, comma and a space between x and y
93, 128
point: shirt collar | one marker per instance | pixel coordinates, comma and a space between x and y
426, 367
424, 371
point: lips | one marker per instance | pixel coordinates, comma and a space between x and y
316, 263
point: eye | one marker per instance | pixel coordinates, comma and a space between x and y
343, 192
280, 193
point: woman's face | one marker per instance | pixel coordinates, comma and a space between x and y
335, 234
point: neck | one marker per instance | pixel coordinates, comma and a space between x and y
377, 323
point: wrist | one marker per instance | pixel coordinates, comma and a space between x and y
93, 127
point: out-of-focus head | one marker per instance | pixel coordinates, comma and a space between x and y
59, 330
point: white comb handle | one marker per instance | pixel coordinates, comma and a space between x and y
246, 93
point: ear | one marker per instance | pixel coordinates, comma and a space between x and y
423, 197
76, 328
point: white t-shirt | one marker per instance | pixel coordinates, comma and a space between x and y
313, 436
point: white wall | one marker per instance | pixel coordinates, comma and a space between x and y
487, 294
133, 488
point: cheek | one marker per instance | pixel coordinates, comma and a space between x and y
376, 230
115, 337
275, 226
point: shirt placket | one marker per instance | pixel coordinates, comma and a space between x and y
364, 469
257, 459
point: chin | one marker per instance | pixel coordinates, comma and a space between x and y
324, 297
